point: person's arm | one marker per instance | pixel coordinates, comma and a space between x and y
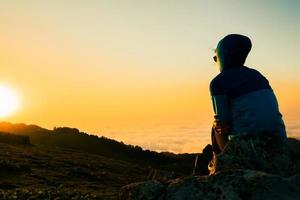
221, 107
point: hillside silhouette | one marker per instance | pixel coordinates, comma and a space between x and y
37, 163
72, 138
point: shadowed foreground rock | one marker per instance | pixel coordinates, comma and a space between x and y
249, 168
257, 153
231, 184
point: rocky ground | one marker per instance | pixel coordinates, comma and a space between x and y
249, 168
41, 172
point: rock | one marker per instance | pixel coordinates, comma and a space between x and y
249, 168
231, 184
256, 153
203, 160
143, 190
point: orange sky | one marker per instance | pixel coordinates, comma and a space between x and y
139, 71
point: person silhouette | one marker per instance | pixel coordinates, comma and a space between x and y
243, 100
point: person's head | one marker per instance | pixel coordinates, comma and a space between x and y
232, 51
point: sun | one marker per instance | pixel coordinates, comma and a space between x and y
9, 101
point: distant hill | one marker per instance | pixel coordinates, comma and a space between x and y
72, 138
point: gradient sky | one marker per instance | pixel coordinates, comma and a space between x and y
139, 71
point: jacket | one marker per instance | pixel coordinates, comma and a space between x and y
243, 97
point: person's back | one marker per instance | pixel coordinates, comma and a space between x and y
243, 100
253, 105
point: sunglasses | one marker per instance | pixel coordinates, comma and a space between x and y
215, 58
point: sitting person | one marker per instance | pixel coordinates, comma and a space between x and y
243, 101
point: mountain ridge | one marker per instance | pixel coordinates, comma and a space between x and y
73, 138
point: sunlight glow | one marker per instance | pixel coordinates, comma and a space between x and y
9, 101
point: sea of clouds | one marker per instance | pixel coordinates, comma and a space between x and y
178, 138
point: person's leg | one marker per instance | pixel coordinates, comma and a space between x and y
218, 141
215, 147
216, 150
222, 141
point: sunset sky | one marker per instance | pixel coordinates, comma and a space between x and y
138, 71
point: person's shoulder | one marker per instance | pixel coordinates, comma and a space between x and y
251, 70
216, 84
255, 72
216, 80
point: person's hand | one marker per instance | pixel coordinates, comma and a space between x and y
221, 127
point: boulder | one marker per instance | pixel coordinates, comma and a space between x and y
143, 190
257, 153
249, 168
230, 184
